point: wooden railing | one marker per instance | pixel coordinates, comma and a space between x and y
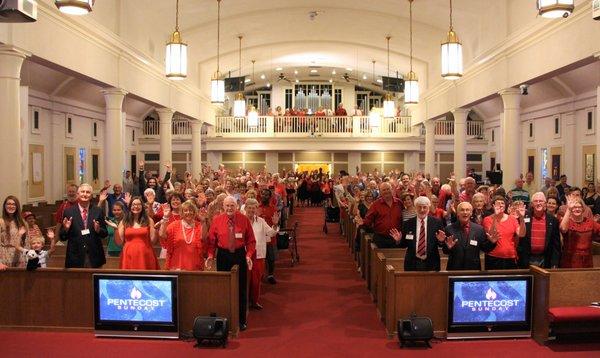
446, 128
178, 128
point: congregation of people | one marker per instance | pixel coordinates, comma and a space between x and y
230, 218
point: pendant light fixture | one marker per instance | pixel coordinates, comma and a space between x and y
176, 53
374, 119
75, 7
411, 85
239, 105
554, 9
452, 59
389, 107
252, 117
217, 84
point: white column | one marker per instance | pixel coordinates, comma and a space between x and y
597, 134
430, 148
572, 146
196, 149
166, 145
114, 163
411, 161
510, 126
272, 162
11, 175
460, 142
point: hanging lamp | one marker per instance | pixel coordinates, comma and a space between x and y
411, 84
75, 7
554, 9
374, 119
452, 59
252, 117
239, 105
217, 84
389, 106
176, 53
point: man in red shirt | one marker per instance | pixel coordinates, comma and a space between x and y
71, 201
231, 233
541, 244
384, 215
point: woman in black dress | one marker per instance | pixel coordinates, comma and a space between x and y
303, 190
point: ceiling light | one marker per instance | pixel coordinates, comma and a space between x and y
74, 7
295, 72
554, 9
239, 104
176, 53
217, 84
374, 119
262, 77
313, 71
247, 80
268, 85
330, 80
252, 117
379, 80
333, 72
411, 85
297, 80
348, 69
389, 105
364, 77
279, 69
452, 61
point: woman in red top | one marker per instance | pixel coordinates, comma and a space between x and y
137, 234
183, 239
578, 233
505, 230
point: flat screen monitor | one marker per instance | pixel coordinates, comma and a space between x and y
235, 84
135, 305
393, 84
489, 306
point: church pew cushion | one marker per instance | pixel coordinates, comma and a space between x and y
574, 314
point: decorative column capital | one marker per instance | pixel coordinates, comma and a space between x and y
511, 98
165, 115
460, 114
11, 60
113, 97
196, 125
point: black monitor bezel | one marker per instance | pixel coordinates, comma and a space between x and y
490, 327
129, 326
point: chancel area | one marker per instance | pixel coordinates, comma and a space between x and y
284, 177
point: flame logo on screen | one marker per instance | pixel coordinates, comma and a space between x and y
490, 294
135, 294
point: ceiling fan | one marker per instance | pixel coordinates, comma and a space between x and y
282, 77
347, 77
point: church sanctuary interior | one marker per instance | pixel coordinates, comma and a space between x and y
268, 178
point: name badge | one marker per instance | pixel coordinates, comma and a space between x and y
238, 235
527, 220
85, 232
473, 242
410, 237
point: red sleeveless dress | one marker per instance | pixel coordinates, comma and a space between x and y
138, 253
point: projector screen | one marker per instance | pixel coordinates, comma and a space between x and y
489, 301
135, 300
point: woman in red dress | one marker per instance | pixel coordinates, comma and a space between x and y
578, 233
183, 239
137, 234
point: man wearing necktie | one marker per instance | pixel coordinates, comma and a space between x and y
463, 240
419, 236
232, 237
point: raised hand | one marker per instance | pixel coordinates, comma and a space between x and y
50, 233
493, 237
96, 226
141, 164
276, 217
450, 242
111, 223
440, 236
103, 196
107, 183
127, 198
66, 223
168, 165
166, 210
395, 234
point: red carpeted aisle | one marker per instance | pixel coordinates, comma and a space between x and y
318, 308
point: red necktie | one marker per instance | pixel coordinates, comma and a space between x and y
231, 225
422, 248
84, 218
466, 230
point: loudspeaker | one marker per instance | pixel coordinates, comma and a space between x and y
211, 328
415, 329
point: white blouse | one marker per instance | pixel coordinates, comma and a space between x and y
263, 233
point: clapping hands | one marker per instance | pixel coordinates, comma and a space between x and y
66, 223
440, 236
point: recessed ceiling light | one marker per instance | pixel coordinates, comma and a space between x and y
330, 80
262, 77
379, 80
268, 84
247, 80
295, 72
348, 69
333, 72
364, 77
279, 69
313, 71
297, 80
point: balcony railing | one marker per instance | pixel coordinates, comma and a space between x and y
446, 128
301, 126
178, 128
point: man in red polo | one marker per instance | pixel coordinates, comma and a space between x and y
231, 233
384, 215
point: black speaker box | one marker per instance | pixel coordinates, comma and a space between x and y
415, 329
211, 329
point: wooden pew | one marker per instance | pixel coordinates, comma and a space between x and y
112, 263
398, 264
377, 266
365, 247
423, 293
559, 288
61, 250
62, 299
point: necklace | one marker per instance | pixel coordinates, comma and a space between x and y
183, 226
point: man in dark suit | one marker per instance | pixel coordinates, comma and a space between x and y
421, 236
465, 239
83, 226
541, 244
